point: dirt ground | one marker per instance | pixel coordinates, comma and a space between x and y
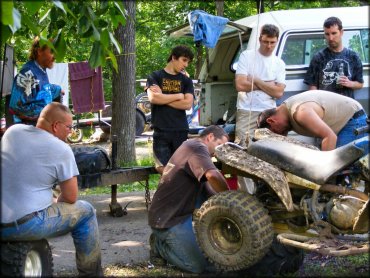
124, 240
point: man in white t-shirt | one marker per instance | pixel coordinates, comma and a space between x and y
260, 80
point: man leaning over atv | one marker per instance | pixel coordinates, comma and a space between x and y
317, 113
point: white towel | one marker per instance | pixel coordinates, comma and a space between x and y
59, 75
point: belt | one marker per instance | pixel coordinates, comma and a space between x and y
358, 114
20, 221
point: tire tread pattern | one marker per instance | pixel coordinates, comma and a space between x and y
252, 220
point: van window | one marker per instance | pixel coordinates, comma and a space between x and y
300, 48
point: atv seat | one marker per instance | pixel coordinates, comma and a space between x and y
314, 165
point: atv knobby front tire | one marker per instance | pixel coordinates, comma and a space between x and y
234, 230
26, 259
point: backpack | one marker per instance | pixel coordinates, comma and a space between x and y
91, 159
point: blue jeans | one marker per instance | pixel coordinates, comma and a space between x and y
61, 218
179, 247
346, 134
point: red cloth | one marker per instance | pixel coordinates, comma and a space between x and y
232, 182
86, 87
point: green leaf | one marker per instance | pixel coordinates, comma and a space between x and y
102, 23
91, 13
60, 5
16, 21
104, 38
44, 15
60, 47
96, 33
33, 6
103, 7
83, 25
60, 23
45, 41
65, 5
96, 55
5, 33
117, 19
30, 24
121, 9
115, 43
88, 33
113, 59
7, 12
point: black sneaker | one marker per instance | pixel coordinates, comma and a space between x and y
154, 256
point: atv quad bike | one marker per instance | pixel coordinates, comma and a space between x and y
298, 205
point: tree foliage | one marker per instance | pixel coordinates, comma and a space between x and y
73, 29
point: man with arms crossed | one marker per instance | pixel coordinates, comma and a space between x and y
259, 80
171, 93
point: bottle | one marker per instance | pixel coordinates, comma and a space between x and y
340, 73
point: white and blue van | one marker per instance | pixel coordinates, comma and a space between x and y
301, 36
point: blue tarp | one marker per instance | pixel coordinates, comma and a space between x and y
206, 28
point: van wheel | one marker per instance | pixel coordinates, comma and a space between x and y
26, 259
233, 229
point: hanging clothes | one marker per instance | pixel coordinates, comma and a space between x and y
86, 87
59, 75
206, 28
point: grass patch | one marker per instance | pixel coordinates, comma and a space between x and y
130, 187
328, 266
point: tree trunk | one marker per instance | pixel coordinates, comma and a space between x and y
123, 99
260, 6
220, 7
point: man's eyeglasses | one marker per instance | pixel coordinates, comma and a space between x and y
70, 127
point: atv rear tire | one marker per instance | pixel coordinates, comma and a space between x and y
26, 259
234, 230
279, 260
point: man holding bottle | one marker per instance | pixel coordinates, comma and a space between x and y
335, 68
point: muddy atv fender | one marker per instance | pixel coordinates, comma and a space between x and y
233, 230
26, 259
237, 161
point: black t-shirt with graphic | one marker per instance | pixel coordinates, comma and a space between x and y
325, 66
164, 117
